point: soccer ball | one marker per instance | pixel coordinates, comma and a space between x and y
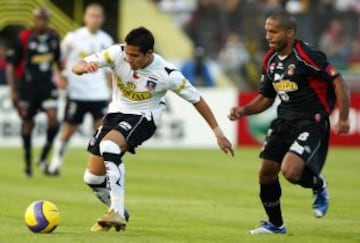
42, 217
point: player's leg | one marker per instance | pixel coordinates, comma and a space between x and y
270, 190
26, 130
52, 130
60, 147
29, 108
111, 147
303, 163
128, 132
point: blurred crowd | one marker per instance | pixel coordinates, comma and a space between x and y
231, 32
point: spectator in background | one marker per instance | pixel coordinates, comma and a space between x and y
232, 58
2, 64
196, 70
206, 27
334, 42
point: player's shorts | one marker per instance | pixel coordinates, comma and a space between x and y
75, 110
135, 128
34, 101
306, 138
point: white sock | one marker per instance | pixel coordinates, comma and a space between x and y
59, 151
115, 174
116, 184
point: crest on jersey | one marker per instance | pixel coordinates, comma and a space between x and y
150, 85
291, 70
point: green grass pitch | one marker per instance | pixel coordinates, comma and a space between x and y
181, 196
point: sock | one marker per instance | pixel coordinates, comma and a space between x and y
310, 180
60, 147
111, 154
270, 197
50, 136
98, 185
27, 149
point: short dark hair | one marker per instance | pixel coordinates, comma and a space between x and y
142, 38
286, 20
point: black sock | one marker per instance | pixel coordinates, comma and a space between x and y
50, 136
310, 180
27, 149
270, 198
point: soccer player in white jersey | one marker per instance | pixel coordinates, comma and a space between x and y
87, 93
141, 78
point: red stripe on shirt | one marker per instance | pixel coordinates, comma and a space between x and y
305, 56
320, 88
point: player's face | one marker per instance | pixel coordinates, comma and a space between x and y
136, 58
93, 18
277, 37
40, 23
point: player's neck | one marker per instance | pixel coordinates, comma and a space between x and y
92, 31
287, 50
149, 61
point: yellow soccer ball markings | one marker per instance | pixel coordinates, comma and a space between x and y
42, 216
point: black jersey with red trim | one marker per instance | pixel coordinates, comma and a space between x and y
34, 56
302, 80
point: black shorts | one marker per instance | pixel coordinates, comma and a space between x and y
75, 110
135, 128
33, 101
306, 138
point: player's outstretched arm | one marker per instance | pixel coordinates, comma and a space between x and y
257, 105
82, 67
203, 108
342, 126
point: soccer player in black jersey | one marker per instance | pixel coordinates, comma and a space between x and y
30, 77
297, 141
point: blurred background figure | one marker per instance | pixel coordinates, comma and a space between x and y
232, 58
334, 41
3, 50
86, 93
196, 69
34, 56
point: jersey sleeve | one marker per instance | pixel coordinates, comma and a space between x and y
266, 88
105, 58
182, 87
66, 46
317, 63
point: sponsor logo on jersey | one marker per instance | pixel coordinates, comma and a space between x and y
285, 85
129, 92
150, 85
39, 58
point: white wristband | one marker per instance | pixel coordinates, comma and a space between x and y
217, 131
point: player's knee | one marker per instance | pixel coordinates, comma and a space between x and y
292, 176
109, 147
92, 179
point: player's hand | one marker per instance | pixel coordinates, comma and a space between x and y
342, 127
236, 113
90, 67
225, 145
62, 82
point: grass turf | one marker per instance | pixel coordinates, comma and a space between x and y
181, 196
